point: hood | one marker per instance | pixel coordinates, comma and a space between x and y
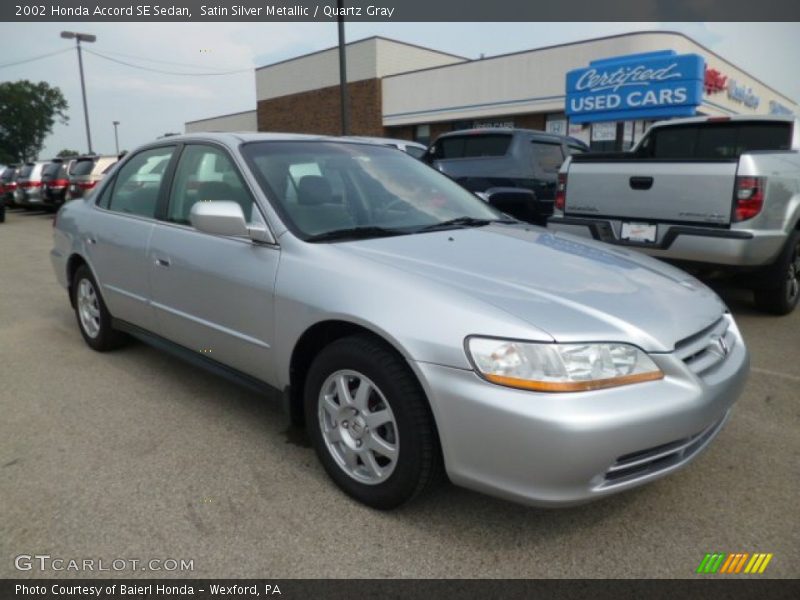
574, 289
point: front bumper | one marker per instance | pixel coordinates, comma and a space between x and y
562, 449
728, 247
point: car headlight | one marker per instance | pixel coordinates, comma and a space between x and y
546, 367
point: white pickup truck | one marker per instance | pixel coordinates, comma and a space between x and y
708, 193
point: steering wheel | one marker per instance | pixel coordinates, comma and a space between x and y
398, 204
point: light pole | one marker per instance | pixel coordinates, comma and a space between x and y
343, 96
116, 137
89, 38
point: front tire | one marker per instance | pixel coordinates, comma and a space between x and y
370, 423
781, 291
94, 320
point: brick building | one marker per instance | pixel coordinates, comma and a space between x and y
406, 91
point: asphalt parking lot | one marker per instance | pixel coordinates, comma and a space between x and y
136, 455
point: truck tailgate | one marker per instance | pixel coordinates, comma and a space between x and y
683, 191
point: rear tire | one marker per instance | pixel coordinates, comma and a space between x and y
370, 423
781, 291
94, 320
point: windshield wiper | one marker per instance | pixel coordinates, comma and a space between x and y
353, 233
462, 222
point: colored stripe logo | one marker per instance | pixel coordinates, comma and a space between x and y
734, 563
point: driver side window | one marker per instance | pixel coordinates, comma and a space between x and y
206, 173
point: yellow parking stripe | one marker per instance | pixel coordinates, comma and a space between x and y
765, 563
753, 560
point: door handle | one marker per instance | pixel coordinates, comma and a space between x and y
641, 183
162, 262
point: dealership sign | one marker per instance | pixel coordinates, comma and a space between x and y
652, 85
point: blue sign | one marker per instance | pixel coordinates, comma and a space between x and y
653, 85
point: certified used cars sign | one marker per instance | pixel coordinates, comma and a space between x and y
638, 86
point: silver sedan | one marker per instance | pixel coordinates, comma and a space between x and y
415, 330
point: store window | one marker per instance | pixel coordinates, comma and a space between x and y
422, 134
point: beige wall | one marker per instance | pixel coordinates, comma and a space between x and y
243, 121
366, 59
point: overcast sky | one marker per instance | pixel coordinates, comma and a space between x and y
148, 104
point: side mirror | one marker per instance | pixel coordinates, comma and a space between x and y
223, 217
520, 203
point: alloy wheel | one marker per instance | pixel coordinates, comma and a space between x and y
358, 427
88, 308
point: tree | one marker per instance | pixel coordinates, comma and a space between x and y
66, 152
28, 112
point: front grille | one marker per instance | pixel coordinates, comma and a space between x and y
707, 349
652, 460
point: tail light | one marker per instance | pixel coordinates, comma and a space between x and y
59, 183
748, 197
31, 184
561, 191
86, 185
3, 188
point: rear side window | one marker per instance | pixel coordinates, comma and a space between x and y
25, 171
715, 141
138, 183
472, 146
548, 156
82, 167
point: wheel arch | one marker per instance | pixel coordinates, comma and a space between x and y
73, 263
312, 341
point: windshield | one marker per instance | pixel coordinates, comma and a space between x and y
51, 169
322, 187
82, 167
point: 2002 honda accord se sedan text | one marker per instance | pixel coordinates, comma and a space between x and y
411, 326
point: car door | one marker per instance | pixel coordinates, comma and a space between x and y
120, 231
213, 294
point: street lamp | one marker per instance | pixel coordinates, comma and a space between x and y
116, 137
343, 91
88, 38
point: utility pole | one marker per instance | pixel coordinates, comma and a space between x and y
343, 99
116, 137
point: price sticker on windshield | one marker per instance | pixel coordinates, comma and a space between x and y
639, 232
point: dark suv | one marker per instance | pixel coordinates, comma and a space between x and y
482, 159
55, 182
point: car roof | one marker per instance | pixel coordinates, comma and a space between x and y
517, 131
383, 140
236, 137
689, 120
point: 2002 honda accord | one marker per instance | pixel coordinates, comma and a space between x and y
411, 326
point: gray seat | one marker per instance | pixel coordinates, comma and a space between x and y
317, 209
